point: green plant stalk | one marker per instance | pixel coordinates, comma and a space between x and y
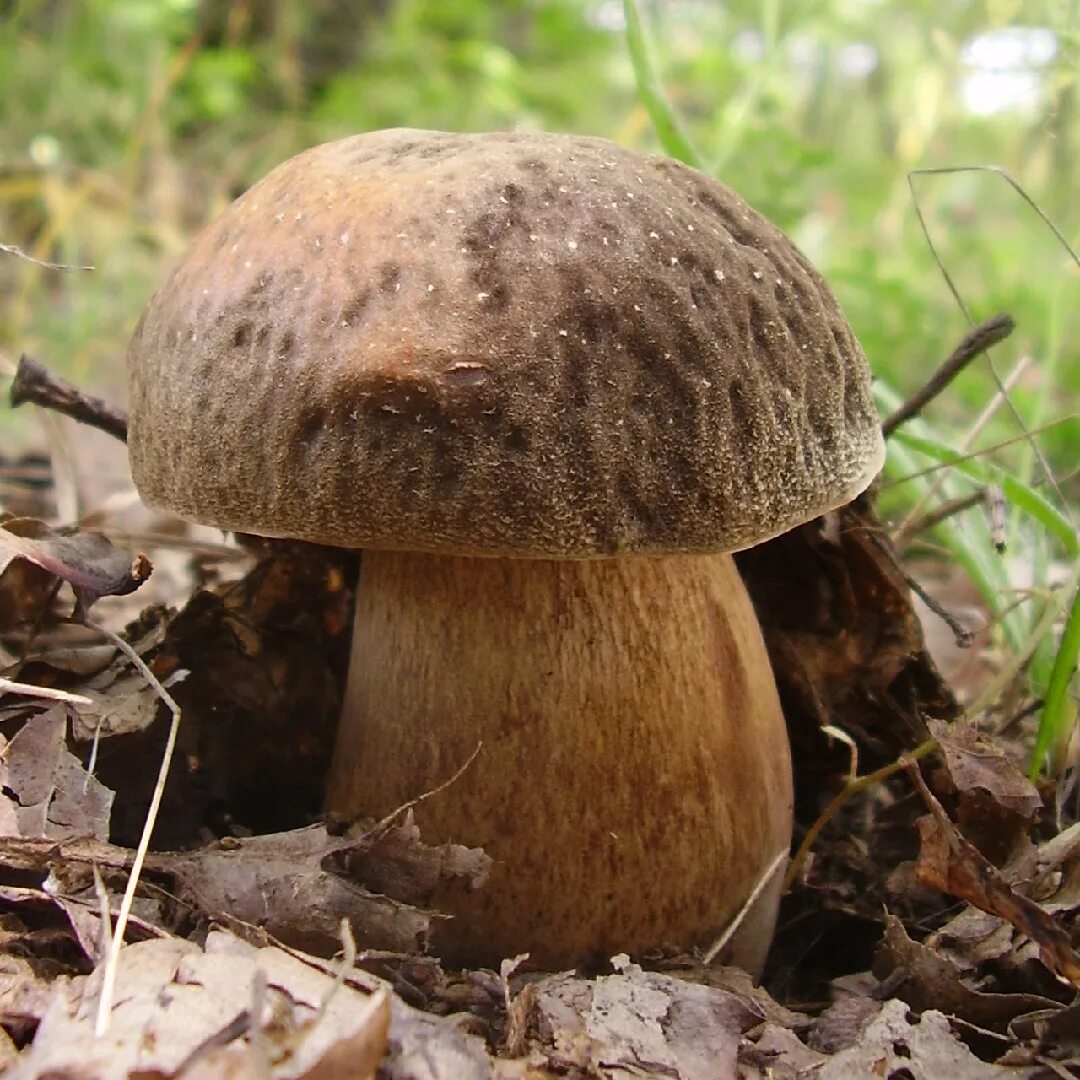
673, 138
741, 111
1055, 716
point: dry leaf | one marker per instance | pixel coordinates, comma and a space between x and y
284, 883
838, 1027
395, 862
86, 560
931, 981
975, 763
950, 863
46, 791
892, 1045
641, 1023
288, 884
845, 642
180, 1003
24, 994
25, 592
426, 1047
778, 1054
128, 706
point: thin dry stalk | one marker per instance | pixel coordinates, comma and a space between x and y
112, 959
975, 343
14, 249
387, 821
721, 942
9, 686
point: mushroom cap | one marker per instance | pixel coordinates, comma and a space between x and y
503, 344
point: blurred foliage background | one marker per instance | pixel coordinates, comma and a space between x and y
125, 124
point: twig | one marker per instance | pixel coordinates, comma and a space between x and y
944, 511
961, 634
975, 343
9, 686
379, 826
720, 944
14, 249
108, 981
34, 383
1005, 387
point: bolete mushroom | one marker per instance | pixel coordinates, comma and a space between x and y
546, 384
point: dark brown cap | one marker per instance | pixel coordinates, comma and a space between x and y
505, 344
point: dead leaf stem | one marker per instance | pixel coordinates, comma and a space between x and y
108, 983
980, 338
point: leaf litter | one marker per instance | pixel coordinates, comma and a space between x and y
262, 940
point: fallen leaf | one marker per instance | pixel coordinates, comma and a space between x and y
839, 1025
86, 560
285, 884
267, 656
892, 1045
947, 861
395, 862
46, 790
426, 1047
845, 642
641, 1023
975, 763
926, 979
25, 592
128, 706
24, 995
779, 1054
291, 885
180, 1003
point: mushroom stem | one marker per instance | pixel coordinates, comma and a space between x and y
634, 782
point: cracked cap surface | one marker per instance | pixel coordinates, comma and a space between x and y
507, 344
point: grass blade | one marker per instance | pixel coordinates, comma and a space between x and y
675, 141
1056, 720
1023, 496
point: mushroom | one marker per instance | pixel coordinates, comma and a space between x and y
547, 385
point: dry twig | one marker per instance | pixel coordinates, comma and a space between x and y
35, 384
975, 343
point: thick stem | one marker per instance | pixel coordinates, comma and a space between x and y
634, 781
